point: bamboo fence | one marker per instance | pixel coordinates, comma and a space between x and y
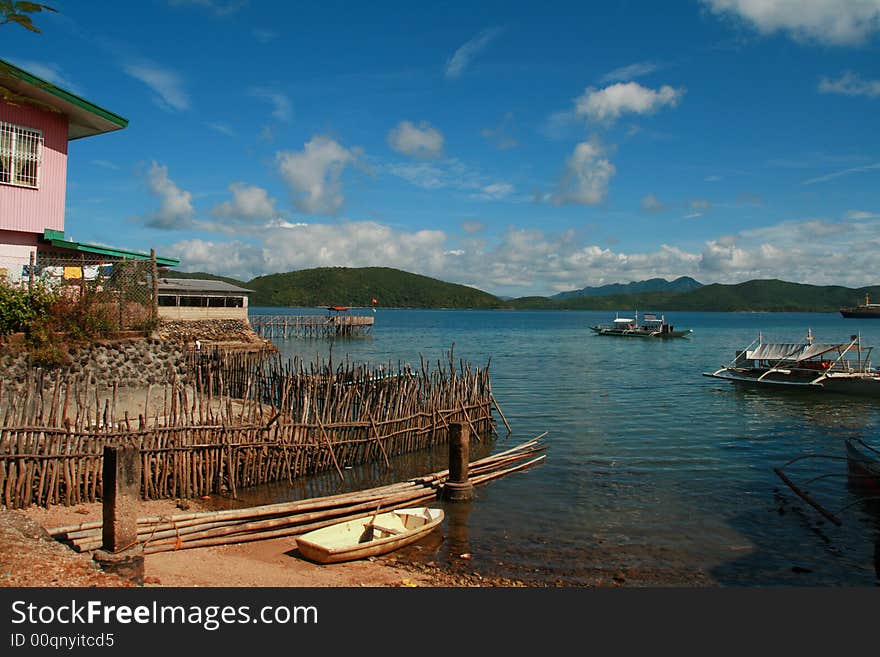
311, 326
236, 420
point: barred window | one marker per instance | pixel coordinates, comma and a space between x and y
21, 152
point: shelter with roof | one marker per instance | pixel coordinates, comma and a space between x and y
192, 299
37, 121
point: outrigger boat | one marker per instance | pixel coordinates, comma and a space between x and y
828, 367
651, 326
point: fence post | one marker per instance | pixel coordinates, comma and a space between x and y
457, 487
121, 488
31, 272
154, 274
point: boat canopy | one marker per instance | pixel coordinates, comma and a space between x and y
797, 351
623, 320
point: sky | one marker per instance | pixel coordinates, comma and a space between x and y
520, 148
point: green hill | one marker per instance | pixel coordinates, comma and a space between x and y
757, 295
344, 286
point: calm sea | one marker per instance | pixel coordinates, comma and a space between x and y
653, 471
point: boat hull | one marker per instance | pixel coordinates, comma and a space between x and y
861, 314
640, 334
862, 386
863, 464
341, 542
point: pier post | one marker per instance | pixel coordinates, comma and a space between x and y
121, 488
457, 487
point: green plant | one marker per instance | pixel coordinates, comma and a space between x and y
20, 306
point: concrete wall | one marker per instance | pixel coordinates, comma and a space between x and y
194, 313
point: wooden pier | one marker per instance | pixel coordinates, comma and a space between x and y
311, 326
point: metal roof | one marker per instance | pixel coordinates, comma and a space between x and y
56, 239
85, 119
198, 285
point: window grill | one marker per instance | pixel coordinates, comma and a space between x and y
21, 153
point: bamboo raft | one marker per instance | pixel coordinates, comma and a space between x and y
311, 326
238, 420
204, 529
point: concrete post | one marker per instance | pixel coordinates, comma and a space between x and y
457, 487
121, 553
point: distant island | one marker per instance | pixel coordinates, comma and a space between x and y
393, 288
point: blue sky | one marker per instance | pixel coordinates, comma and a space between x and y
522, 148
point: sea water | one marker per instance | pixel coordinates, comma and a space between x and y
654, 474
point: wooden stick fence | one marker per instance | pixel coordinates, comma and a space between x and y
238, 420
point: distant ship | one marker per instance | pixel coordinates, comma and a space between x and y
866, 310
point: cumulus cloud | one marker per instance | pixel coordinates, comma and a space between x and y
495, 192
462, 57
830, 22
314, 174
281, 106
850, 84
586, 177
175, 209
608, 104
520, 262
858, 215
249, 202
422, 141
166, 84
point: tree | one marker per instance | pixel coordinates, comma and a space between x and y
12, 11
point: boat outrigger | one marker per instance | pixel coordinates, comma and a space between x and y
651, 326
829, 367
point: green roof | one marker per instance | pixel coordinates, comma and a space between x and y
85, 118
56, 239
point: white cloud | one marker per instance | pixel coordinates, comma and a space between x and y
859, 215
473, 227
248, 202
281, 106
422, 141
831, 22
501, 136
495, 192
462, 57
844, 172
176, 209
222, 128
264, 35
217, 7
651, 203
606, 105
850, 84
586, 177
533, 262
166, 84
49, 71
314, 174
630, 72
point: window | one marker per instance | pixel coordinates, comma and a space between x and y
21, 152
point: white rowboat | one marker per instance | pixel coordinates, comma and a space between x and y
369, 536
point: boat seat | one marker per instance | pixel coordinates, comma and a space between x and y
387, 530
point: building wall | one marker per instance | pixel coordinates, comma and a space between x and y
192, 313
15, 252
33, 210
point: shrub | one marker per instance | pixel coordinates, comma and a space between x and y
20, 306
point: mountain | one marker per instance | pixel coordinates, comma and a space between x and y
756, 296
345, 286
680, 284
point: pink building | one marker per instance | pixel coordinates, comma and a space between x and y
37, 120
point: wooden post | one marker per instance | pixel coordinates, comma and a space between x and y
121, 553
31, 272
457, 487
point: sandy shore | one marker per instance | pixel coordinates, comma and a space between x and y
28, 557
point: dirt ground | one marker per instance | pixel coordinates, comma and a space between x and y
30, 557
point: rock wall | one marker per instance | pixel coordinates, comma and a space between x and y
137, 361
132, 362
